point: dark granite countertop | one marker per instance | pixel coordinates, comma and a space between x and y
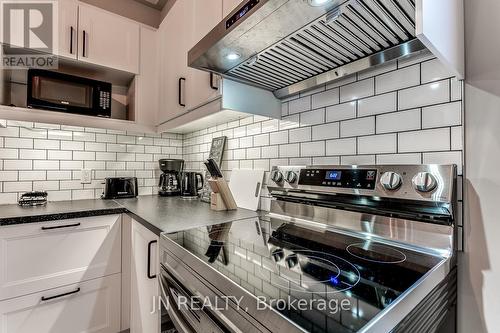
158, 214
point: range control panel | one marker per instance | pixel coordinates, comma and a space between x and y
342, 178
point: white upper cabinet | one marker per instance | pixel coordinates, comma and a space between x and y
107, 39
207, 14
175, 35
229, 5
68, 28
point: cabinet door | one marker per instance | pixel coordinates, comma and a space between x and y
229, 5
144, 294
92, 306
147, 91
207, 14
40, 256
175, 35
68, 29
107, 39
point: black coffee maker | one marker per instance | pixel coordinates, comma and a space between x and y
170, 179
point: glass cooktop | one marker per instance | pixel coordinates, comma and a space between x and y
323, 281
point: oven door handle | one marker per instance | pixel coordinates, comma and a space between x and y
228, 325
174, 315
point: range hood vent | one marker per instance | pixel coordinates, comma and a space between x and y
287, 46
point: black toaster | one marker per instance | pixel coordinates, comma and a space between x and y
120, 187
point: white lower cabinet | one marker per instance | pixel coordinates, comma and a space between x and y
144, 291
41, 256
91, 306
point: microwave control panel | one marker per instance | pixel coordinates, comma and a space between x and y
105, 100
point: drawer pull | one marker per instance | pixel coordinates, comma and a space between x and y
44, 299
61, 226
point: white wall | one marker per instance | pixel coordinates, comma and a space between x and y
479, 279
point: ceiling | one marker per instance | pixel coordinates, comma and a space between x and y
156, 4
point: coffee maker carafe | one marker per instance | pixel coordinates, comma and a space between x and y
170, 179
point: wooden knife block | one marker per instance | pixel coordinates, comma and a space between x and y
219, 186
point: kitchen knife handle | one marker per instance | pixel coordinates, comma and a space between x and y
150, 276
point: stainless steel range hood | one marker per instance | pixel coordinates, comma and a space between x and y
287, 46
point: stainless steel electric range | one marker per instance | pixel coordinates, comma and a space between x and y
343, 249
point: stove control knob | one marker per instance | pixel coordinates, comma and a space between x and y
424, 182
391, 181
291, 177
277, 176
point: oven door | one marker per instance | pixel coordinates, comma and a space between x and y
186, 310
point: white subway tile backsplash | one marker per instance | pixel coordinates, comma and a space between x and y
357, 127
428, 94
357, 90
300, 135
313, 117
29, 154
289, 150
17, 165
415, 158
277, 138
326, 98
6, 176
33, 133
425, 140
341, 112
9, 153
17, 186
377, 104
449, 114
457, 138
315, 129
398, 121
357, 160
377, 144
270, 152
400, 79
72, 145
341, 147
312, 149
45, 165
18, 143
434, 70
449, 157
326, 131
299, 105
47, 144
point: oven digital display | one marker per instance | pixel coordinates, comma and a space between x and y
333, 175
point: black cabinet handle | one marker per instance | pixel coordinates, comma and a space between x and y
84, 43
149, 259
212, 85
71, 40
180, 91
44, 299
61, 226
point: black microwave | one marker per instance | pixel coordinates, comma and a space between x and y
68, 93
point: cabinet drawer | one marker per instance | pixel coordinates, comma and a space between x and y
41, 256
92, 306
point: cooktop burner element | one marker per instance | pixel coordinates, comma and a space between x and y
378, 253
